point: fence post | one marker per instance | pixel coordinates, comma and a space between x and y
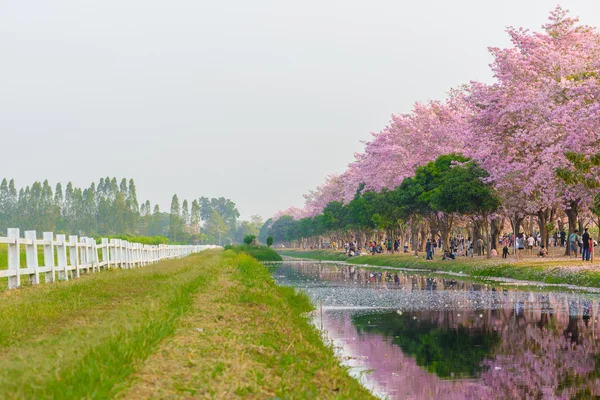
132, 254
128, 256
138, 258
127, 251
83, 255
138, 255
112, 256
74, 253
94, 256
49, 256
104, 252
31, 256
134, 259
61, 257
14, 260
90, 254
121, 254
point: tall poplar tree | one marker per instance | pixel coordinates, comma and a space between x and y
4, 205
195, 217
175, 219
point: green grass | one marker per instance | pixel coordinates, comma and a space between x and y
247, 337
98, 336
82, 338
555, 271
261, 253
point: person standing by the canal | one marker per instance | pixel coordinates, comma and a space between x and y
429, 250
573, 239
585, 252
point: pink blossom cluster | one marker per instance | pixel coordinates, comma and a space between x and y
545, 101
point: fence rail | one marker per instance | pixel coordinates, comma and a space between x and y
66, 259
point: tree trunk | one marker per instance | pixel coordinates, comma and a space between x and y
544, 219
445, 234
495, 228
433, 233
531, 230
476, 237
572, 213
423, 239
486, 226
515, 223
415, 238
445, 226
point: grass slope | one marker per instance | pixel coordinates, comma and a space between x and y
99, 336
247, 338
569, 271
261, 253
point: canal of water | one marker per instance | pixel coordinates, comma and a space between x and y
411, 336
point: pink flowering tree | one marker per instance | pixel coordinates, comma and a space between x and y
523, 124
316, 200
410, 141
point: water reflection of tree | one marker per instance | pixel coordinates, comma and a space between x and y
518, 353
547, 347
446, 352
324, 272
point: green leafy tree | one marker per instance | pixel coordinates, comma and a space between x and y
279, 229
269, 241
226, 208
248, 239
215, 228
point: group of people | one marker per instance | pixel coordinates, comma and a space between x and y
582, 242
374, 247
579, 242
523, 244
457, 246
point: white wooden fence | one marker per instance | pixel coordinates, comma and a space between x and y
67, 259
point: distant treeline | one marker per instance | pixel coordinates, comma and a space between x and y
111, 208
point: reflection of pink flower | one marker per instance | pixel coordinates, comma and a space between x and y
395, 374
537, 351
529, 362
534, 362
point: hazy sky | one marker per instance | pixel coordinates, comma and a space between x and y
253, 100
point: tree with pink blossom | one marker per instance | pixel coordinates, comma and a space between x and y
523, 124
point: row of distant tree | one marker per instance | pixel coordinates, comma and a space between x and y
111, 208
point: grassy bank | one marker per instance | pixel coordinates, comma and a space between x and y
210, 325
560, 270
261, 253
247, 337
